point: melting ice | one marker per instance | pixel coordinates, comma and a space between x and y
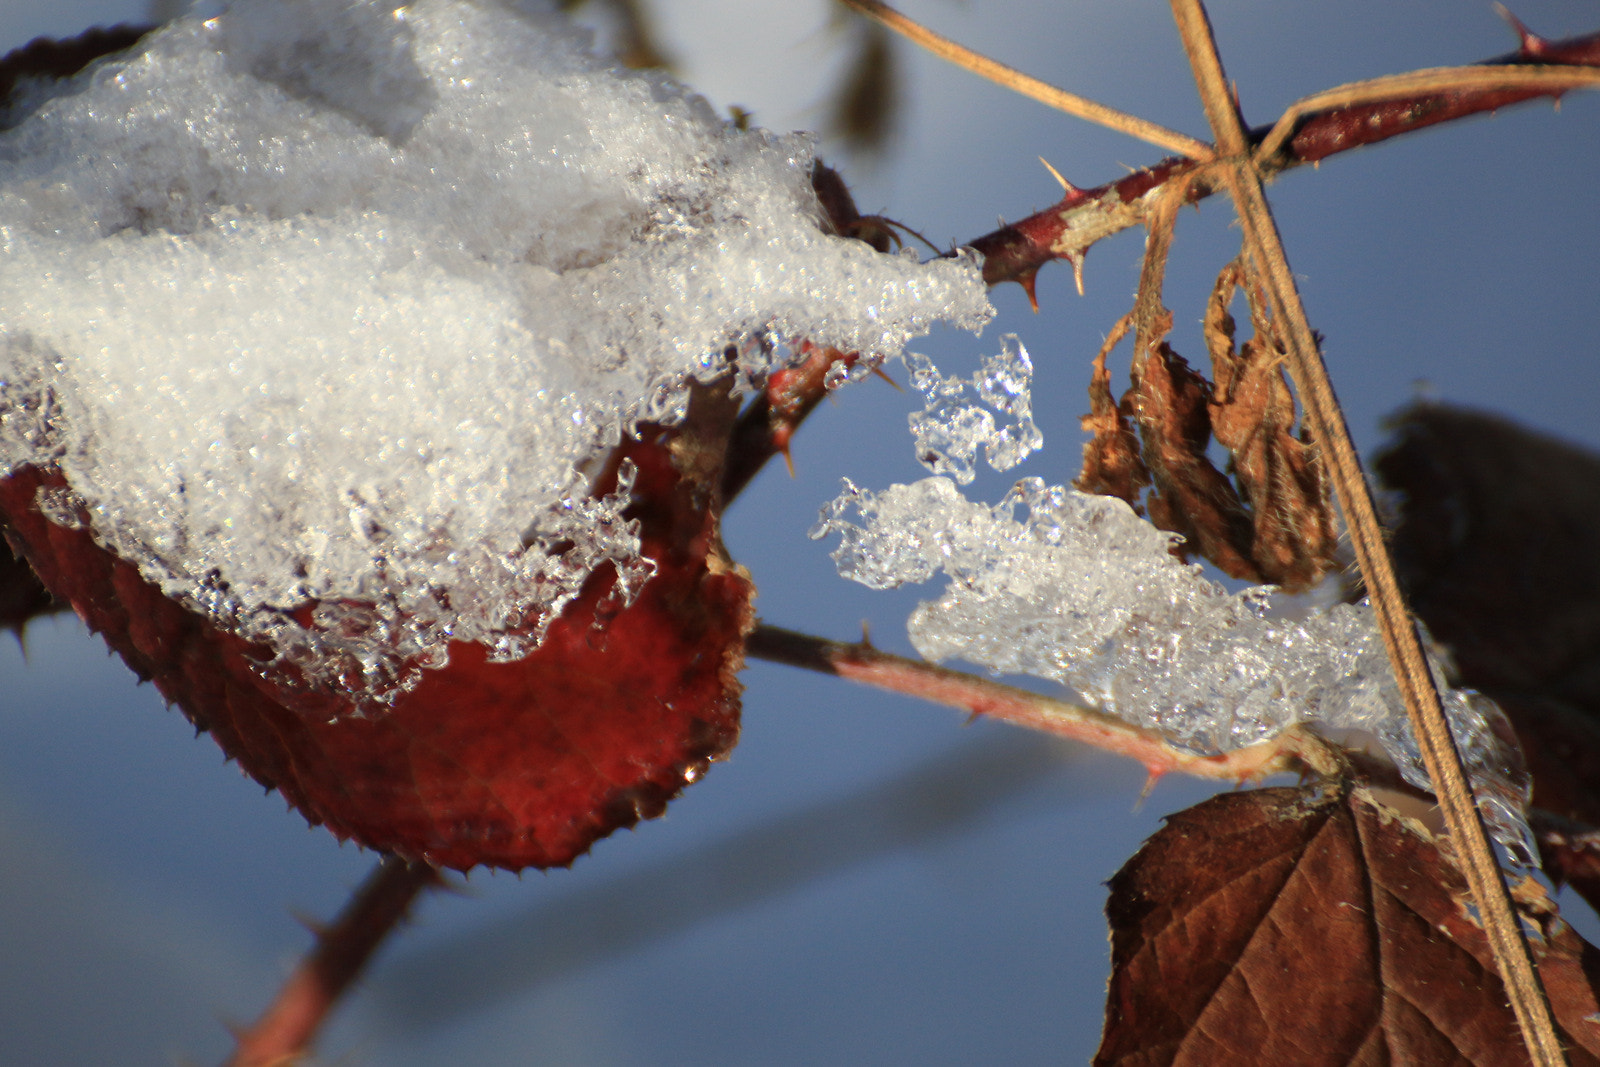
1079, 589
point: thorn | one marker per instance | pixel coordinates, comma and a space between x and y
1027, 281
1531, 45
1001, 219
892, 383
1077, 269
866, 635
316, 927
1152, 776
972, 717
1066, 186
788, 460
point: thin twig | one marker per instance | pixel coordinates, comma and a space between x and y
1032, 87
1418, 83
1439, 752
289, 1025
1294, 751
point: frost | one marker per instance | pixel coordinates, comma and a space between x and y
1079, 589
339, 302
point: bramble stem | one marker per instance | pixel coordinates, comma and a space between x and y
1415, 680
1295, 751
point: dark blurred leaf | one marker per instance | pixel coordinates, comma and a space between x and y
866, 102
1498, 543
1309, 926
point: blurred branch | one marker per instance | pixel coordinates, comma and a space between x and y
931, 802
287, 1028
635, 43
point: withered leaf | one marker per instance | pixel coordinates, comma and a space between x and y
867, 101
1191, 497
1277, 472
1273, 520
1311, 926
1111, 462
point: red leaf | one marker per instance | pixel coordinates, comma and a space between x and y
22, 596
504, 764
1304, 926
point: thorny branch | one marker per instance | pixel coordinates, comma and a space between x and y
1321, 125
1314, 129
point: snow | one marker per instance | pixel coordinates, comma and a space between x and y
342, 302
1079, 589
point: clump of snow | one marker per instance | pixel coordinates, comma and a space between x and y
1079, 589
337, 302
952, 430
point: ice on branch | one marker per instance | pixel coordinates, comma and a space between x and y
340, 302
1079, 589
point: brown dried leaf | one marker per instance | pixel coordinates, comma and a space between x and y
1111, 462
1277, 474
1307, 926
1172, 404
1275, 525
1569, 856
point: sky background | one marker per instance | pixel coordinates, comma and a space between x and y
866, 879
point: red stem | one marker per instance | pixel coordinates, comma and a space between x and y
1016, 252
1294, 750
289, 1025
